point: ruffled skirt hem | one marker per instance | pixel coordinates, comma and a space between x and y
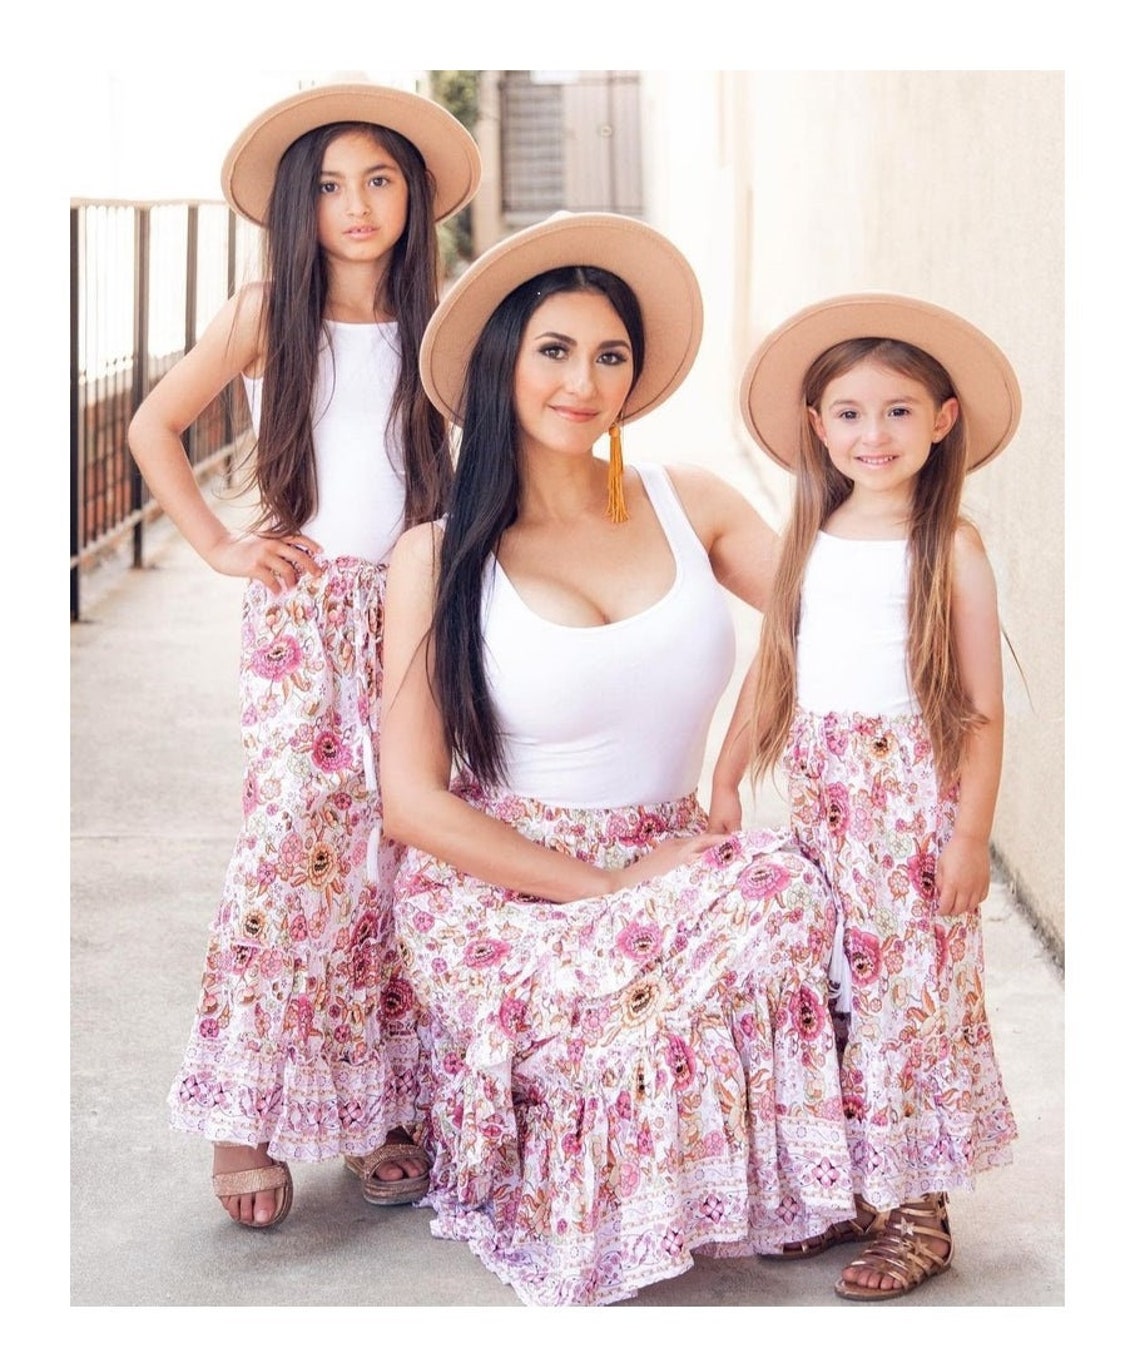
922, 1089
623, 1081
305, 1034
307, 1112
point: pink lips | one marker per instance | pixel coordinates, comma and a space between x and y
575, 413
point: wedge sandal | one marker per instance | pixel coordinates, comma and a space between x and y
389, 1192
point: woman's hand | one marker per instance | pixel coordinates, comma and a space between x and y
276, 561
666, 856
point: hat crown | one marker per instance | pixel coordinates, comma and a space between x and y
771, 398
660, 277
448, 149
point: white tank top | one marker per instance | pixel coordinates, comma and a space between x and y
360, 489
614, 714
851, 650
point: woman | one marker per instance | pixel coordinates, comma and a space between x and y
628, 1028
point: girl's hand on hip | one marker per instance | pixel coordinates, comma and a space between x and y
277, 561
962, 876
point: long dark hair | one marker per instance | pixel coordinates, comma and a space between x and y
484, 502
292, 326
935, 516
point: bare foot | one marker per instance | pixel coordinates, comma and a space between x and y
252, 1209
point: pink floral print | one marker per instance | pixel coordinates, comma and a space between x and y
619, 1082
306, 1034
925, 1105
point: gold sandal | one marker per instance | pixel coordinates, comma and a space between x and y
841, 1233
905, 1250
258, 1180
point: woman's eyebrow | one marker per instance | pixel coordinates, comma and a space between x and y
563, 339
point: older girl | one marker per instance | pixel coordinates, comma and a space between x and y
301, 1047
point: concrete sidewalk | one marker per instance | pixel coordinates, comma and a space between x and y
156, 775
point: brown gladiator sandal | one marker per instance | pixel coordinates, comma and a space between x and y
904, 1250
841, 1233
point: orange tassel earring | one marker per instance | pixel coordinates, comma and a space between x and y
615, 504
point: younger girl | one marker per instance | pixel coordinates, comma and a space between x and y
304, 1043
878, 690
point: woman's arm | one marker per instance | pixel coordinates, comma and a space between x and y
743, 551
962, 876
415, 764
228, 346
742, 547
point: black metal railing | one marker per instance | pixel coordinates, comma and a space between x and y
145, 277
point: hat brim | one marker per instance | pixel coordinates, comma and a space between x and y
771, 392
448, 149
659, 275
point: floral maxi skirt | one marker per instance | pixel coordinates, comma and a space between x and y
619, 1081
926, 1108
304, 1036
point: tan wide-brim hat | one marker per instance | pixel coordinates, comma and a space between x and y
659, 275
448, 149
771, 393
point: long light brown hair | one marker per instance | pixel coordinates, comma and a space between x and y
932, 662
293, 323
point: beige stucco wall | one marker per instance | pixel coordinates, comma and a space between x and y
787, 187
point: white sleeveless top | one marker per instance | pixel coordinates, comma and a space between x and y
614, 714
360, 481
851, 651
